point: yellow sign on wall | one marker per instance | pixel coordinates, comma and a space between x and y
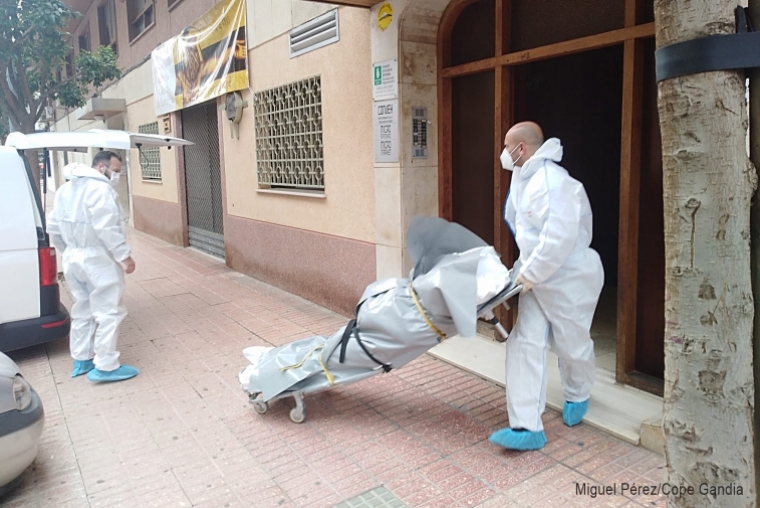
384, 16
206, 60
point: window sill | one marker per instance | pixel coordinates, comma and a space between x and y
152, 181
141, 34
294, 192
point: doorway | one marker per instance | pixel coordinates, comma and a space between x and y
576, 98
591, 84
203, 180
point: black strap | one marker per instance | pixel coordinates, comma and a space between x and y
344, 340
714, 53
386, 367
347, 334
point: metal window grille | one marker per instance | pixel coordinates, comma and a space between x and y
150, 158
289, 150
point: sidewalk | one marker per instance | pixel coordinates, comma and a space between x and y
183, 434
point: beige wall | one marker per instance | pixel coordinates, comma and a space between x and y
268, 19
348, 206
140, 113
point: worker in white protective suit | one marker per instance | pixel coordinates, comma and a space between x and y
550, 217
87, 227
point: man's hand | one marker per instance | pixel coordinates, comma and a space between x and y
129, 265
526, 284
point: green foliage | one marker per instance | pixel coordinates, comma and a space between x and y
34, 46
94, 69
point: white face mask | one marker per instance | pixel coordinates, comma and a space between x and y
115, 178
506, 159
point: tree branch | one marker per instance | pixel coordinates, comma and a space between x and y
69, 79
23, 81
14, 81
9, 95
38, 106
8, 111
66, 81
22, 38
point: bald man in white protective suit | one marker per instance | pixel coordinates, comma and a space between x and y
550, 217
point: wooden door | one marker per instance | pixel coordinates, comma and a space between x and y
472, 148
650, 299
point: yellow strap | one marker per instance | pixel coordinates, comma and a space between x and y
297, 365
328, 374
424, 314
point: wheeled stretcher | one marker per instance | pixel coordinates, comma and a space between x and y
456, 278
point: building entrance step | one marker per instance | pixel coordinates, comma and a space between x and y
625, 412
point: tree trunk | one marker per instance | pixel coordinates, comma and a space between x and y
708, 183
754, 154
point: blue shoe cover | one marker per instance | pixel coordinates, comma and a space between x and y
519, 439
82, 367
120, 374
573, 412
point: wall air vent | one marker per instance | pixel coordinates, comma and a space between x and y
314, 34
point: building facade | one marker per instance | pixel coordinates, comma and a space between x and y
313, 235
414, 99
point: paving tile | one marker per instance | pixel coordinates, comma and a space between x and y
442, 501
182, 433
478, 498
467, 490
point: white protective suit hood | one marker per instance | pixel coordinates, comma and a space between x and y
550, 150
83, 170
68, 169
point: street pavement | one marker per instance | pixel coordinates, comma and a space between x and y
183, 434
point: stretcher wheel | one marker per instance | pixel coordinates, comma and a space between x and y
260, 407
297, 415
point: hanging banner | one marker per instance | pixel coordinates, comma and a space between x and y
207, 60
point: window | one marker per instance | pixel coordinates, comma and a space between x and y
289, 151
84, 40
107, 25
141, 16
150, 158
172, 3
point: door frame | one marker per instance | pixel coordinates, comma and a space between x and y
631, 36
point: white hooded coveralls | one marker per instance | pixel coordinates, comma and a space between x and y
87, 227
550, 216
68, 169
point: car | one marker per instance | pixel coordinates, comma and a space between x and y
30, 306
21, 421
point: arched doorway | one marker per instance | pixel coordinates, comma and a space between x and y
585, 71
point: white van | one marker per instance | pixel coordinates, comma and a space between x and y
30, 306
